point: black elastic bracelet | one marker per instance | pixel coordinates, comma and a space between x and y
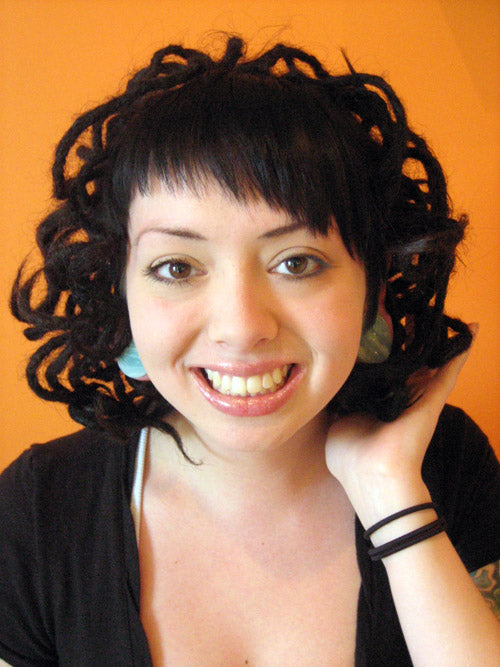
408, 540
397, 515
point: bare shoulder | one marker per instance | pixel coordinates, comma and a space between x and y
487, 579
3, 663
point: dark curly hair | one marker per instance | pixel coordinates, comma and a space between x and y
277, 127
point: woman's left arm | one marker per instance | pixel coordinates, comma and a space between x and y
443, 615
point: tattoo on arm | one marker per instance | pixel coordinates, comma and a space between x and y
487, 579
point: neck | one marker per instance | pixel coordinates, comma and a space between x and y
238, 482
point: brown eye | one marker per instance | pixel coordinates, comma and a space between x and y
178, 270
301, 266
296, 265
174, 271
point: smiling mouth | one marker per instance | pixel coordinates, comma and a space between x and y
255, 385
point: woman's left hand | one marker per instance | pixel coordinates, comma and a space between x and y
379, 464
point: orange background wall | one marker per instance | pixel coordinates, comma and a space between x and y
59, 56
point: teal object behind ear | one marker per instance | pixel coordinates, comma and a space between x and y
130, 363
376, 342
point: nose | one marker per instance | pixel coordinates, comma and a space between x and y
242, 314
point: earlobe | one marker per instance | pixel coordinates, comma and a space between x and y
130, 363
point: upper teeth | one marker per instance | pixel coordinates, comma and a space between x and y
251, 386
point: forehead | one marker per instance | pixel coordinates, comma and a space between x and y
208, 212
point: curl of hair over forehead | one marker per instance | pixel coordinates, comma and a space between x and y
278, 127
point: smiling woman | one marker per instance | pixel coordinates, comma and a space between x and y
242, 300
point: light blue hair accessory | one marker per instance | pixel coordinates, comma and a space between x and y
376, 342
130, 363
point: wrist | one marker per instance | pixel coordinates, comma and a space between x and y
384, 534
377, 504
403, 526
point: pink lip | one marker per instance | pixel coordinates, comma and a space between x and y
249, 406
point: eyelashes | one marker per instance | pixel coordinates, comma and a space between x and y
301, 266
177, 272
181, 272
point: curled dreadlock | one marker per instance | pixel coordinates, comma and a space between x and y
278, 127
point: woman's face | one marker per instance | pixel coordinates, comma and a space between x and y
245, 322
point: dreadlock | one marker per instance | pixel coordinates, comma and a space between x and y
279, 127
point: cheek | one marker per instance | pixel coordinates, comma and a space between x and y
158, 328
338, 335
335, 321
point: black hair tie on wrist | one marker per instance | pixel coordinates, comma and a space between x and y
397, 515
408, 540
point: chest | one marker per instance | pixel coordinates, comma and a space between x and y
215, 596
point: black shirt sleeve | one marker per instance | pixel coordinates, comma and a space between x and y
463, 477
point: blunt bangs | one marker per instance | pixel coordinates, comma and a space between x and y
257, 137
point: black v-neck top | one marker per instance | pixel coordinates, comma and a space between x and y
69, 566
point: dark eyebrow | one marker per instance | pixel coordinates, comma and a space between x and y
171, 231
182, 232
185, 233
281, 231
